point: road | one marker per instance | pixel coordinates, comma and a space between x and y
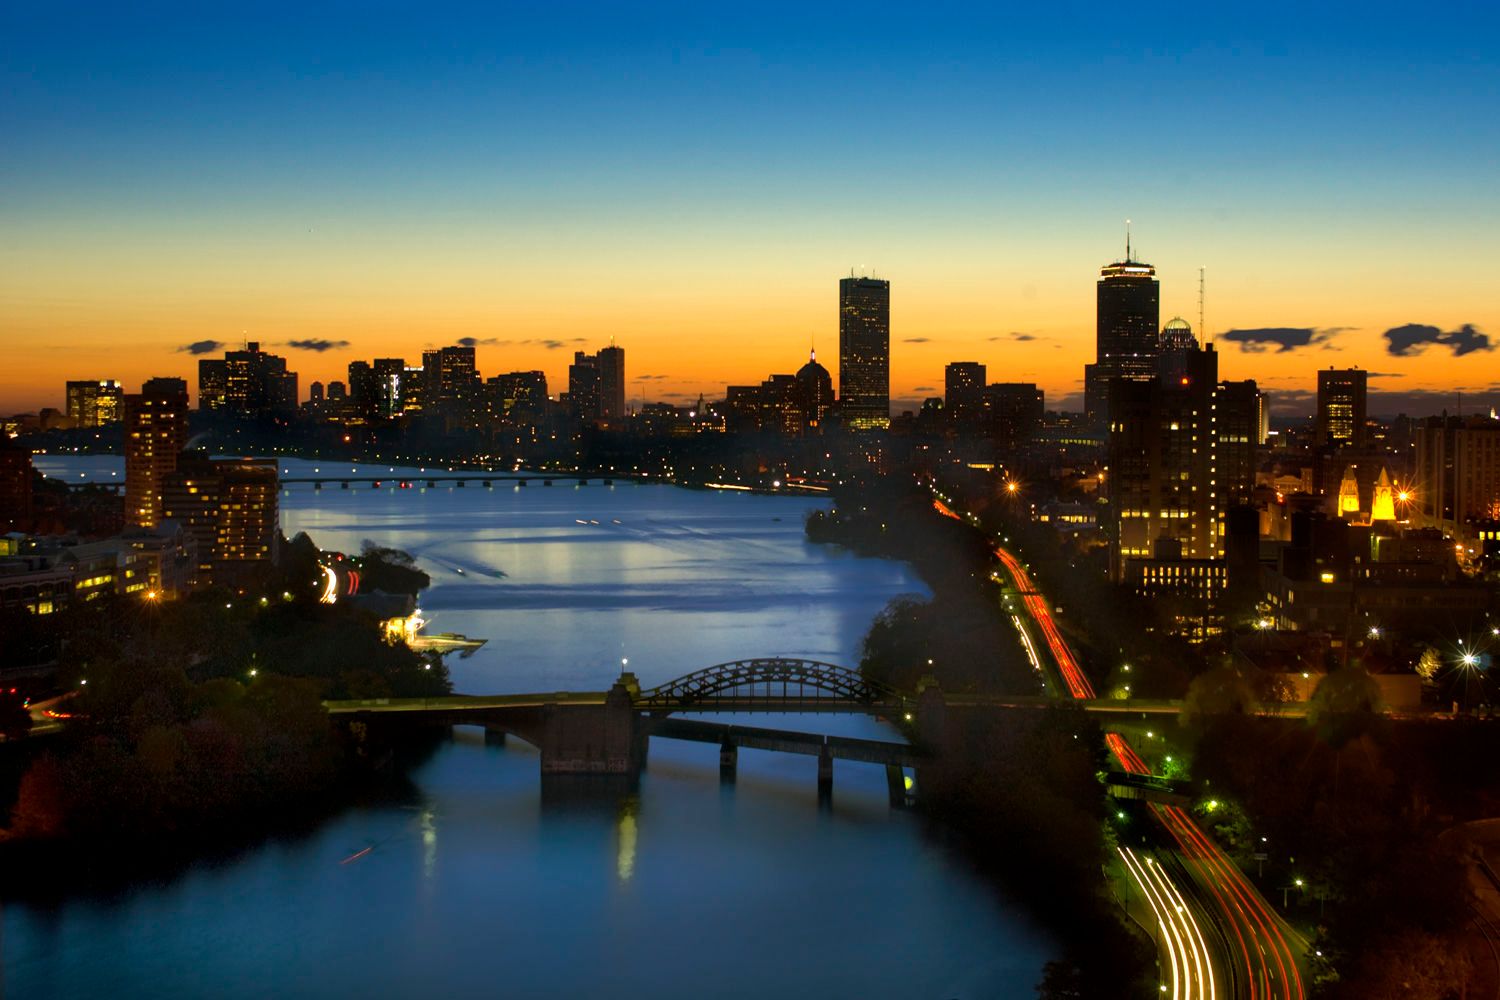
1254, 942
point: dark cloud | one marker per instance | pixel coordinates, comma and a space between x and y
924, 388
917, 340
646, 378
201, 347
1385, 374
1022, 337
476, 341
317, 344
1282, 338
1413, 338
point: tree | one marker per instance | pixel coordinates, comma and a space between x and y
1345, 704
1428, 665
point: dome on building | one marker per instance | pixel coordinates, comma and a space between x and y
1177, 335
817, 388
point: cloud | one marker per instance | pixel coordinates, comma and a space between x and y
1283, 338
1013, 335
645, 378
201, 347
924, 388
317, 344
1385, 374
917, 340
476, 341
1413, 338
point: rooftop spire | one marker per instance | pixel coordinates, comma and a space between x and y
1127, 241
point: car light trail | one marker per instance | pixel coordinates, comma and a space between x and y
1192, 974
330, 587
1270, 963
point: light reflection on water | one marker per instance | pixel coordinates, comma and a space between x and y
496, 883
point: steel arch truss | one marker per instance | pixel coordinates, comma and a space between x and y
774, 681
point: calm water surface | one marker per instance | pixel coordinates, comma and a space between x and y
486, 885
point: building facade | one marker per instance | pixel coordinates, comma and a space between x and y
1127, 333
95, 402
155, 431
865, 353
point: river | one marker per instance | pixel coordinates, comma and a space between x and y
484, 886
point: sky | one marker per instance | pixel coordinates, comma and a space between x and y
346, 181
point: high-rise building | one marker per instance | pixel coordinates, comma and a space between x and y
1128, 307
865, 353
1458, 471
583, 386
1013, 412
229, 508
518, 396
94, 402
15, 486
611, 365
248, 383
155, 431
1180, 454
963, 391
364, 391
388, 373
1177, 341
1341, 407
315, 392
817, 389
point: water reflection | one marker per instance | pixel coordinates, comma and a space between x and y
625, 860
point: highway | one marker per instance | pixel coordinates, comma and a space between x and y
1259, 961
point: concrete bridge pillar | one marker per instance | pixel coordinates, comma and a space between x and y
825, 773
895, 783
932, 714
592, 739
729, 761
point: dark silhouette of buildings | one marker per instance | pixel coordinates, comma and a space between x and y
963, 392
248, 383
865, 353
817, 390
596, 385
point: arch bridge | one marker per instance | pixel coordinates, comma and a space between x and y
772, 684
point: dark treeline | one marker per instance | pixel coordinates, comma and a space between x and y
1022, 794
1019, 794
198, 723
1356, 805
972, 646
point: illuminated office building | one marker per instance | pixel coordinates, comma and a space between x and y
865, 353
1341, 407
94, 402
155, 431
1128, 331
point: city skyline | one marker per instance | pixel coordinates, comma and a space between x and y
541, 185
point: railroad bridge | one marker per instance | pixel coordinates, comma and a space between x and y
608, 732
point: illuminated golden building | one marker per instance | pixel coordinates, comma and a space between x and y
155, 430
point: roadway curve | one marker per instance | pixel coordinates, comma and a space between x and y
1254, 930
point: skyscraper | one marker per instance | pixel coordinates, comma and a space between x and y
1128, 304
611, 383
1341, 407
94, 402
963, 390
1180, 454
155, 430
865, 353
248, 383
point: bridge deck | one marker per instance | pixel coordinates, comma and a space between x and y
786, 741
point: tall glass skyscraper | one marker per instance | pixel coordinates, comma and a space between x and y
865, 353
1128, 338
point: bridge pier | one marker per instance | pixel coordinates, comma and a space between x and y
593, 739
494, 736
825, 774
729, 761
895, 783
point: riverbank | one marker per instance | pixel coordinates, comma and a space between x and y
1018, 793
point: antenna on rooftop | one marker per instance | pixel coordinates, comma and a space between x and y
1202, 329
1127, 241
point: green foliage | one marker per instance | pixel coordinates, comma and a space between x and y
390, 570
